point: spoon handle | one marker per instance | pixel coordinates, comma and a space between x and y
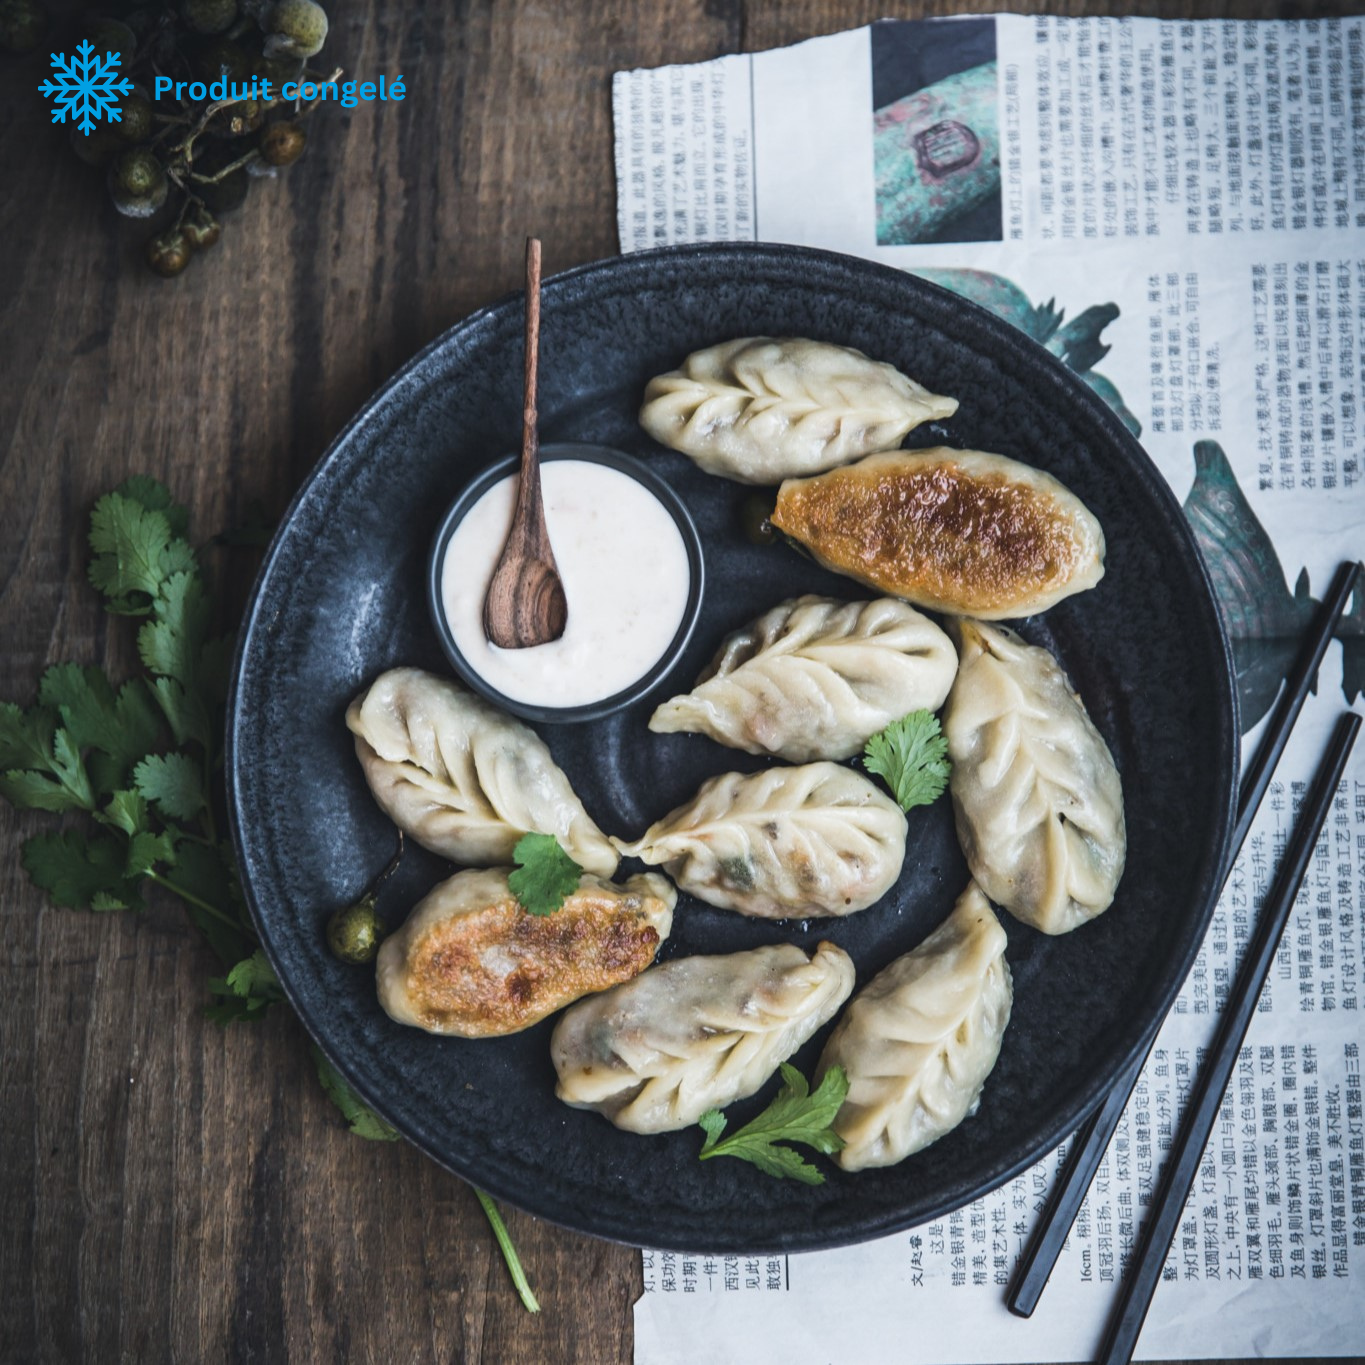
530, 416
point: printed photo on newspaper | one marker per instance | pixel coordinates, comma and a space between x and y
1176, 210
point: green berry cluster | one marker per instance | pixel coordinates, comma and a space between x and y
183, 161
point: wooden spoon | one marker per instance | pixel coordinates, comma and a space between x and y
525, 604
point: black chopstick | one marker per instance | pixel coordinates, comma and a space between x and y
1206, 1098
1093, 1137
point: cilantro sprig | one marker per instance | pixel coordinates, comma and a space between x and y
545, 876
141, 761
795, 1115
911, 754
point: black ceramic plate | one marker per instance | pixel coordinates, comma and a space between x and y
341, 597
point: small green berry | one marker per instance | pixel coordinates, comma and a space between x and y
137, 183
168, 253
355, 932
136, 123
294, 28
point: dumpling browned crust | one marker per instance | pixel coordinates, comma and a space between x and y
471, 962
958, 531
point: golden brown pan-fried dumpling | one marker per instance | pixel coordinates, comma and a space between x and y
470, 961
695, 1034
462, 778
761, 410
816, 840
919, 1040
1035, 790
815, 678
956, 531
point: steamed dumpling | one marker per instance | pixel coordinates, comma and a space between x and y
815, 677
470, 961
695, 1034
816, 840
761, 410
919, 1040
1036, 794
465, 780
956, 531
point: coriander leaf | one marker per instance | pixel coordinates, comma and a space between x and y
184, 712
146, 850
206, 875
713, 1124
25, 737
174, 783
80, 873
795, 1115
133, 553
545, 876
912, 755
35, 791
170, 644
123, 727
127, 810
247, 991
69, 769
154, 496
363, 1121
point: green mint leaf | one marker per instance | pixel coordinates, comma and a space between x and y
80, 873
153, 495
912, 756
361, 1119
174, 783
25, 737
545, 876
795, 1115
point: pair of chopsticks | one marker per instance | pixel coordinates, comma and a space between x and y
1091, 1140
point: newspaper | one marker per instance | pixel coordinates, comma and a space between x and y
1176, 210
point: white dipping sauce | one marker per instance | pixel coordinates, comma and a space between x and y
626, 578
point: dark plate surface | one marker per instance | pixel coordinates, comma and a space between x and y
341, 597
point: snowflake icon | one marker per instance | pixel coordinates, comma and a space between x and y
87, 86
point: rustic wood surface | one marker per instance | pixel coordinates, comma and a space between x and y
173, 1190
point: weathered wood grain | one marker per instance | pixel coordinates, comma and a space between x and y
171, 1190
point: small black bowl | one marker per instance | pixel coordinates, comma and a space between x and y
613, 459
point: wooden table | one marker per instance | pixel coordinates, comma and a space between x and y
174, 1190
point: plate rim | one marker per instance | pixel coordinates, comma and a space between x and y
1080, 1101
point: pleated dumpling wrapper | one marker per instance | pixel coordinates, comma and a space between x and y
695, 1034
816, 678
818, 840
760, 410
957, 531
918, 1041
470, 961
462, 778
1036, 794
